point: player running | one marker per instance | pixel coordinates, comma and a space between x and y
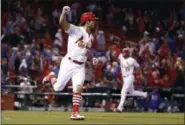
127, 65
72, 65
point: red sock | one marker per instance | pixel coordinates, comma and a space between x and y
76, 101
75, 108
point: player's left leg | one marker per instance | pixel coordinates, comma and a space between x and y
124, 91
134, 92
64, 75
77, 80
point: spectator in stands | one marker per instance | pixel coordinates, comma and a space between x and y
165, 105
4, 66
39, 20
138, 79
100, 41
109, 77
75, 12
152, 75
143, 46
116, 67
130, 18
114, 53
55, 64
92, 7
23, 66
108, 54
154, 101
58, 39
180, 42
165, 81
25, 87
100, 83
175, 107
89, 73
179, 65
140, 25
56, 14
99, 70
171, 72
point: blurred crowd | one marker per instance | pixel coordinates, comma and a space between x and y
33, 44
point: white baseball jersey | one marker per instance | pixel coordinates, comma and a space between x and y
127, 65
78, 34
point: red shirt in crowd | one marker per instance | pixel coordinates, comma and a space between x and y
47, 40
114, 48
165, 82
138, 79
11, 74
46, 70
171, 72
98, 70
163, 51
119, 80
152, 78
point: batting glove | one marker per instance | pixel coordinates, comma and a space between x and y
66, 9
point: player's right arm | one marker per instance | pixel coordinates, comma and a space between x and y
66, 26
62, 21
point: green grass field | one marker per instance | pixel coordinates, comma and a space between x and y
51, 117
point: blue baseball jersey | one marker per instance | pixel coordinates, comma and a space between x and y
154, 100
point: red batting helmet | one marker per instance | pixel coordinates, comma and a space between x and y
125, 51
88, 16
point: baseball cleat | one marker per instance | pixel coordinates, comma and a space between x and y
47, 79
116, 110
77, 116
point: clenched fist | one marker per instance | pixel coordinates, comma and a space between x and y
66, 9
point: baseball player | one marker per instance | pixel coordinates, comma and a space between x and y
73, 64
127, 64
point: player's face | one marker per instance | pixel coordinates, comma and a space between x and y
92, 25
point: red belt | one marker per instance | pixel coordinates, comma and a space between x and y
75, 61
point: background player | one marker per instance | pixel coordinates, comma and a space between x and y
72, 65
127, 65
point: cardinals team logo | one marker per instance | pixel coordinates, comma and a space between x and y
83, 44
80, 42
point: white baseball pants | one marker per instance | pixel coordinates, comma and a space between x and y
129, 87
68, 70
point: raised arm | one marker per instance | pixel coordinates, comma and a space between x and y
62, 21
